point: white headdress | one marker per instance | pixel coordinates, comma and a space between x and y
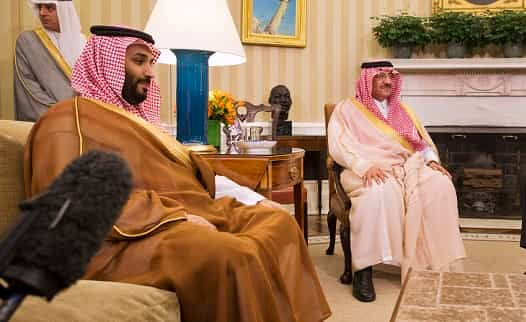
69, 40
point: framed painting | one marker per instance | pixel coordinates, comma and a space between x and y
477, 5
274, 22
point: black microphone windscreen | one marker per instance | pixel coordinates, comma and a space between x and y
69, 221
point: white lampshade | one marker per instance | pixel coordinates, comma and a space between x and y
196, 25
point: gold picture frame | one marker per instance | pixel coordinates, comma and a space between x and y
274, 23
477, 5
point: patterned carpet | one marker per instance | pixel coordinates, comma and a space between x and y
433, 296
497, 263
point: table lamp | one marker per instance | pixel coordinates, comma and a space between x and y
193, 35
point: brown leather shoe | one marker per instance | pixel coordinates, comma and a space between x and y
363, 288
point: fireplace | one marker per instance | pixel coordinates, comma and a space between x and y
475, 111
488, 166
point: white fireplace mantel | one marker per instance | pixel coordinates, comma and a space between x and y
466, 92
412, 65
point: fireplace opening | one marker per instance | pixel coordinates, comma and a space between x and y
488, 166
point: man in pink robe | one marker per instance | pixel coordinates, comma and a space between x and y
404, 207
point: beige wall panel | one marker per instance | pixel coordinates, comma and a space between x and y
9, 25
338, 38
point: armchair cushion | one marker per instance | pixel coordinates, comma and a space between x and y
286, 196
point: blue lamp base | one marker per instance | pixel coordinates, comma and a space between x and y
192, 98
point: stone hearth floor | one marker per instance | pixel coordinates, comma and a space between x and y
445, 296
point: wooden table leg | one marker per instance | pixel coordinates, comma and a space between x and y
299, 208
321, 164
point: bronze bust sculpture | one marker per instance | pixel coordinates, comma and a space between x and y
280, 94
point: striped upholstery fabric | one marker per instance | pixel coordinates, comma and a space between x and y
13, 136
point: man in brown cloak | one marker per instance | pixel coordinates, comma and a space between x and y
226, 261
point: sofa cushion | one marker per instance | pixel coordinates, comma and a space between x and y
13, 135
89, 301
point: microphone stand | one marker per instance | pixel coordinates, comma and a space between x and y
10, 304
41, 275
17, 282
23, 281
10, 296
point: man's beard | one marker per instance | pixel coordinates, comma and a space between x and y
130, 92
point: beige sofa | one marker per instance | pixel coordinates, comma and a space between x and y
86, 300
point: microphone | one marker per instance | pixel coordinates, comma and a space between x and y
59, 230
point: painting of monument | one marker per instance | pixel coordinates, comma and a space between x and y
274, 22
274, 17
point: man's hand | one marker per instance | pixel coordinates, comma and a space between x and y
437, 167
376, 174
198, 220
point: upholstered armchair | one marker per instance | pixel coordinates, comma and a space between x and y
339, 207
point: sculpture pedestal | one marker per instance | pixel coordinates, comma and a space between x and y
284, 128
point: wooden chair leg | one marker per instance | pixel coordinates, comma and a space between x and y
345, 238
305, 223
331, 223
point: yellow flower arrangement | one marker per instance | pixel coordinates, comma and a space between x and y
222, 107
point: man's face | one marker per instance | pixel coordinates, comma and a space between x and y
280, 95
139, 73
383, 85
47, 12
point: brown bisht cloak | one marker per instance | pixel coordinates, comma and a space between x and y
255, 268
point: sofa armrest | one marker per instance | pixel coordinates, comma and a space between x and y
13, 135
102, 301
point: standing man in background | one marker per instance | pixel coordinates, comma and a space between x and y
44, 58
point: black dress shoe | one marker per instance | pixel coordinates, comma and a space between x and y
363, 288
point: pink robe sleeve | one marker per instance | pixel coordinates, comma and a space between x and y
343, 145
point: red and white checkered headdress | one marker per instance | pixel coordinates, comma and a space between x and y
397, 117
100, 71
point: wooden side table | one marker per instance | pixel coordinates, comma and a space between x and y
310, 143
264, 171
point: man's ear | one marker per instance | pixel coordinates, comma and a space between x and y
205, 173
